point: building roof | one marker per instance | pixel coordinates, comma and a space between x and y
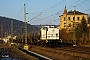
76, 13
72, 13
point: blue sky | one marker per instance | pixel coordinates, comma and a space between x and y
51, 9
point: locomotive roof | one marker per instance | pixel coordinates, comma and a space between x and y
47, 26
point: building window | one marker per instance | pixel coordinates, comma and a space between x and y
69, 25
73, 18
68, 18
64, 18
68, 30
64, 25
77, 18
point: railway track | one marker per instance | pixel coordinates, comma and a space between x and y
84, 50
40, 57
60, 52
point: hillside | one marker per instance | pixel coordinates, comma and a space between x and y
5, 26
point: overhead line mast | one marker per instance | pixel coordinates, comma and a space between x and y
25, 24
11, 31
74, 34
25, 28
89, 32
1, 31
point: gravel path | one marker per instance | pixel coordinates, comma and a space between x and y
16, 53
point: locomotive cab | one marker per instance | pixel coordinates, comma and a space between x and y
49, 35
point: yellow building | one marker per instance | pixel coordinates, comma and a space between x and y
67, 19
